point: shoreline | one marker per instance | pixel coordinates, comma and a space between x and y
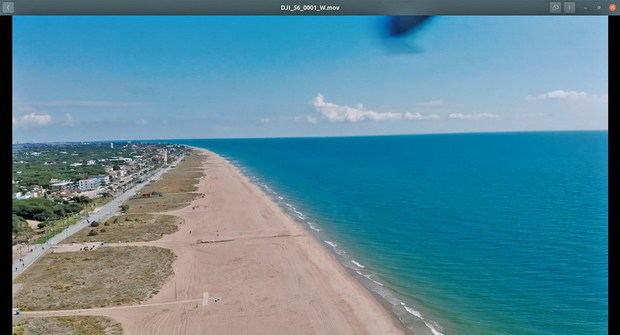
245, 266
327, 246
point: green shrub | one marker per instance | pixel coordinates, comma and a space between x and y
19, 223
43, 209
36, 209
92, 232
81, 199
94, 224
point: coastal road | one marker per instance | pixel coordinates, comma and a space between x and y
105, 212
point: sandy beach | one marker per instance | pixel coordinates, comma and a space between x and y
245, 267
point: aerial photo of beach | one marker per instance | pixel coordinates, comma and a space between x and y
309, 175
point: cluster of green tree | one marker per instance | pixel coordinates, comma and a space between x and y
32, 174
21, 231
54, 161
45, 210
80, 199
19, 224
70, 152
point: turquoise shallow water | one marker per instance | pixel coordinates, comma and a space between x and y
500, 233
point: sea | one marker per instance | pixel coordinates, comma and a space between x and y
485, 233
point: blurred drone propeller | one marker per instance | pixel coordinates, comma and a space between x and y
397, 27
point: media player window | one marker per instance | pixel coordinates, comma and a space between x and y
319, 167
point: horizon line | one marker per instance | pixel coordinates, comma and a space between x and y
328, 136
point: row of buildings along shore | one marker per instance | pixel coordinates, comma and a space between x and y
117, 172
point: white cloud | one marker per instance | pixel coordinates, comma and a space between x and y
337, 113
34, 119
91, 103
559, 94
342, 113
462, 116
142, 122
418, 116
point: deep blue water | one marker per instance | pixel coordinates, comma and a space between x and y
499, 233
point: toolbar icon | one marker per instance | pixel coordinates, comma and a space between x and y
8, 7
569, 7
555, 7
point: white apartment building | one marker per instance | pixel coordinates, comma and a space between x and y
93, 183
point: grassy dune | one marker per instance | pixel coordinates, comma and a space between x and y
62, 325
174, 190
183, 178
158, 204
106, 276
129, 228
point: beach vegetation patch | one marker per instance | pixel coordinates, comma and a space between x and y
183, 178
130, 228
61, 325
167, 202
108, 276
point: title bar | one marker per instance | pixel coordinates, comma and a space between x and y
307, 7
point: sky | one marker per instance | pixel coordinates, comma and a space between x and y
145, 77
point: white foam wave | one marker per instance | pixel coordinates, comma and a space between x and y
433, 329
369, 277
357, 264
331, 243
411, 310
419, 315
313, 227
299, 214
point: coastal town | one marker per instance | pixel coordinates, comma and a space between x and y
56, 184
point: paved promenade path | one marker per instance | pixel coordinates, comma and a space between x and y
105, 212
